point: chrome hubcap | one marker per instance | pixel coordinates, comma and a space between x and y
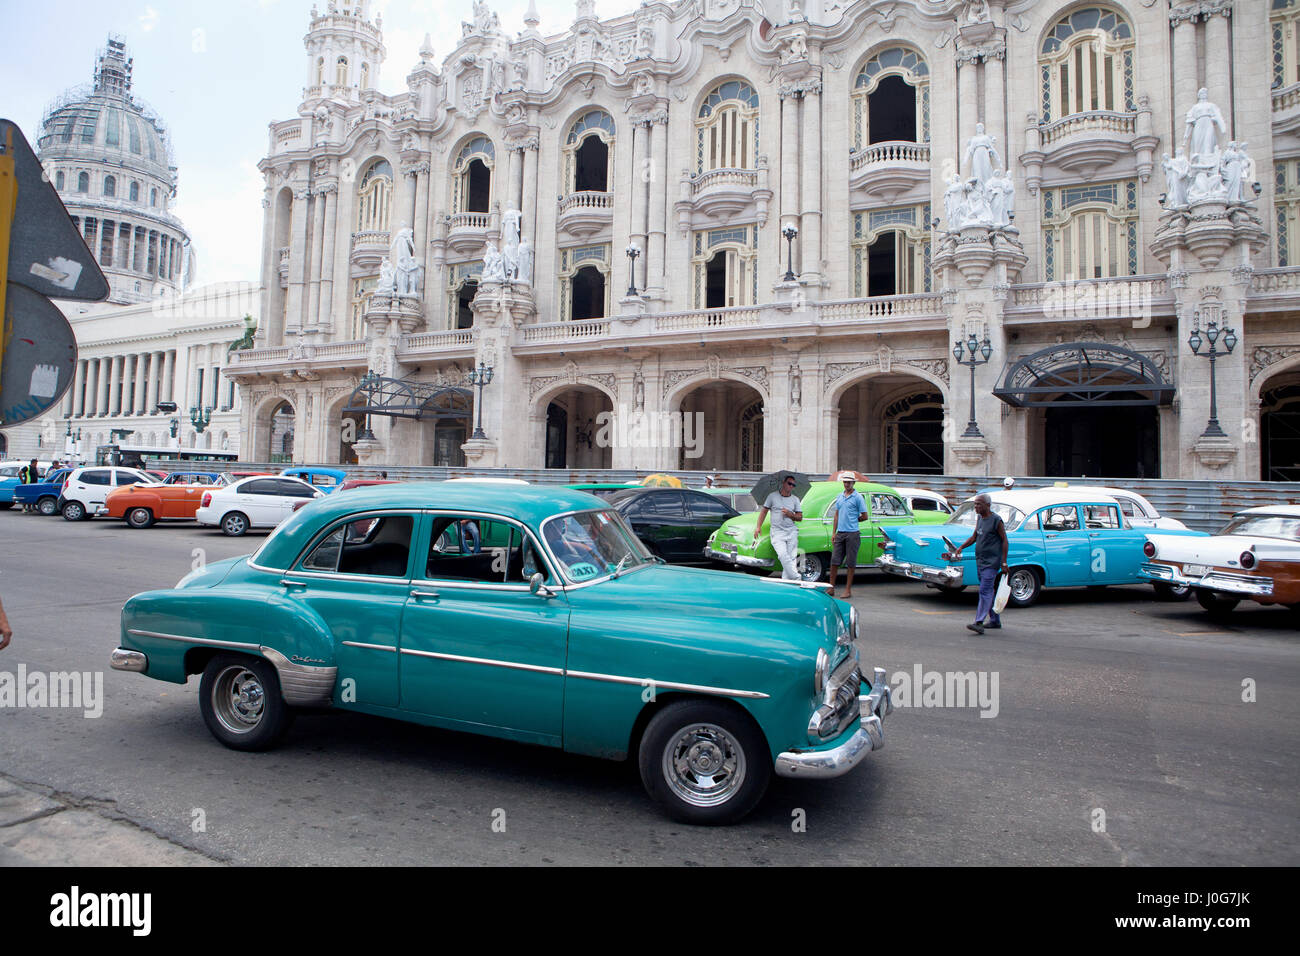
704, 765
1022, 584
810, 568
238, 699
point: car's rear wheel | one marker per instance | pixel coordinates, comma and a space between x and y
705, 762
6, 505
74, 511
1171, 592
1219, 605
48, 505
1026, 585
813, 567
234, 524
241, 702
139, 517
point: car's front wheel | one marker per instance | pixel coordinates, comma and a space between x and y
74, 511
234, 524
139, 517
813, 567
705, 762
1026, 585
48, 505
1217, 604
241, 703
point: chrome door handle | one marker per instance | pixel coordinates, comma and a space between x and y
424, 594
293, 584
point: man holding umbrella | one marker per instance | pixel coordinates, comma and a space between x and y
780, 496
846, 514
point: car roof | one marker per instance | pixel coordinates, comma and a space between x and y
1286, 511
529, 504
1031, 499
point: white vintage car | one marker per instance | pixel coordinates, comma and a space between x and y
919, 499
1138, 512
1255, 556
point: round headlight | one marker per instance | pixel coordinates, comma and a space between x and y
823, 671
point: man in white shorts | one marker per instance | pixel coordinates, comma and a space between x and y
786, 509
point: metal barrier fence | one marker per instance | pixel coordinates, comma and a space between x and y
1202, 505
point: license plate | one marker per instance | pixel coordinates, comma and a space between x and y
913, 574
1196, 570
728, 547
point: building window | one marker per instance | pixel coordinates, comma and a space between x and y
725, 264
133, 134
462, 286
113, 128
341, 72
83, 182
365, 76
1286, 205
375, 197
1086, 64
86, 125
727, 128
891, 99
361, 292
1090, 232
320, 71
891, 251
1285, 24
153, 197
472, 176
110, 186
58, 180
584, 282
589, 153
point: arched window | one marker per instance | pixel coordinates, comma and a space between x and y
1086, 64
891, 99
135, 192
589, 154
153, 197
1090, 232
891, 251
727, 128
375, 197
584, 282
751, 437
83, 182
365, 76
341, 71
110, 186
725, 263
1285, 25
58, 180
472, 176
133, 134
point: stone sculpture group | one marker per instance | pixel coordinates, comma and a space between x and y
400, 272
988, 197
1201, 172
513, 262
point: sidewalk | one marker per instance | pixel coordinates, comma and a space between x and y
42, 828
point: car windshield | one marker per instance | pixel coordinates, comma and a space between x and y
1266, 526
966, 516
593, 544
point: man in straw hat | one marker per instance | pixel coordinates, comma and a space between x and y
846, 515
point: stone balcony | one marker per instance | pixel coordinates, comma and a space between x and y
468, 231
1083, 145
1286, 112
368, 248
708, 198
298, 362
456, 343
583, 214
894, 171
287, 136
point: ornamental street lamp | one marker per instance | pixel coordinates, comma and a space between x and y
369, 382
1213, 333
633, 251
480, 377
200, 417
977, 354
791, 231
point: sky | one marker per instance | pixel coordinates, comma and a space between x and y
217, 73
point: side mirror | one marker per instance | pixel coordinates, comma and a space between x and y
537, 585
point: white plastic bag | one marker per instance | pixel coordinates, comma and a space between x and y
1002, 595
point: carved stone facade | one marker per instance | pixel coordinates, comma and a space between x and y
797, 281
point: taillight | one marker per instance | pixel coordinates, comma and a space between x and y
65, 486
207, 500
1149, 549
1247, 559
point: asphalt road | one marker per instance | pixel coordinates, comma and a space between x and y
1107, 701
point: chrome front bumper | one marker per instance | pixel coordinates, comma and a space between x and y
870, 735
730, 557
123, 659
946, 577
1214, 580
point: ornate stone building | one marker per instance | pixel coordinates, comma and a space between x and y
742, 235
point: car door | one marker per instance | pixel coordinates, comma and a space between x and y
705, 514
479, 651
1115, 549
259, 500
658, 517
1066, 547
290, 493
355, 578
93, 487
884, 509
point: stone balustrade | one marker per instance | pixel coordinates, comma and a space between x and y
1106, 122
586, 199
891, 151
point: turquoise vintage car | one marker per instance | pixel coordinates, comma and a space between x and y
560, 629
1056, 537
734, 542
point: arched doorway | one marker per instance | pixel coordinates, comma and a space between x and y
1279, 430
591, 166
1115, 441
891, 424
350, 428
581, 431
588, 294
280, 440
722, 428
452, 412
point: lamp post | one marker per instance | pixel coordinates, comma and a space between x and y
977, 354
200, 417
633, 251
369, 382
1212, 332
480, 377
791, 232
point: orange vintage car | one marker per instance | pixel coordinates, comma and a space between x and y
142, 505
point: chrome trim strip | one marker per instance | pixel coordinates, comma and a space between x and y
511, 665
668, 685
301, 684
209, 642
369, 647
401, 579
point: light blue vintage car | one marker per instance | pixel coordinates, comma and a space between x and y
1057, 537
548, 623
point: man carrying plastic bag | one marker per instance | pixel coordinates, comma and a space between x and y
991, 546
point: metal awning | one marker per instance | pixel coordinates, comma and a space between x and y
400, 398
1084, 373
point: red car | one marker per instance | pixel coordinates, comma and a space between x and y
353, 483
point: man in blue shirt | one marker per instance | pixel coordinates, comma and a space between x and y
849, 510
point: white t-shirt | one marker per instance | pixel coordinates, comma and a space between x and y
774, 503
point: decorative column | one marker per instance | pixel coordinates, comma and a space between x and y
529, 207
101, 386
789, 155
168, 381
92, 388
130, 258
967, 95
995, 114
117, 371
137, 384
329, 194
656, 252
637, 230
515, 177
77, 405
312, 318
1218, 51
297, 261
810, 161
151, 383
1186, 70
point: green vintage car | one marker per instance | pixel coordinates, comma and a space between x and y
553, 626
734, 542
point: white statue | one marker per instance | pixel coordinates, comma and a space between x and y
952, 199
797, 48
519, 73
977, 11
387, 284
1233, 169
1204, 123
494, 265
1002, 198
1177, 174
510, 237
975, 204
645, 40
525, 267
1207, 183
982, 155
